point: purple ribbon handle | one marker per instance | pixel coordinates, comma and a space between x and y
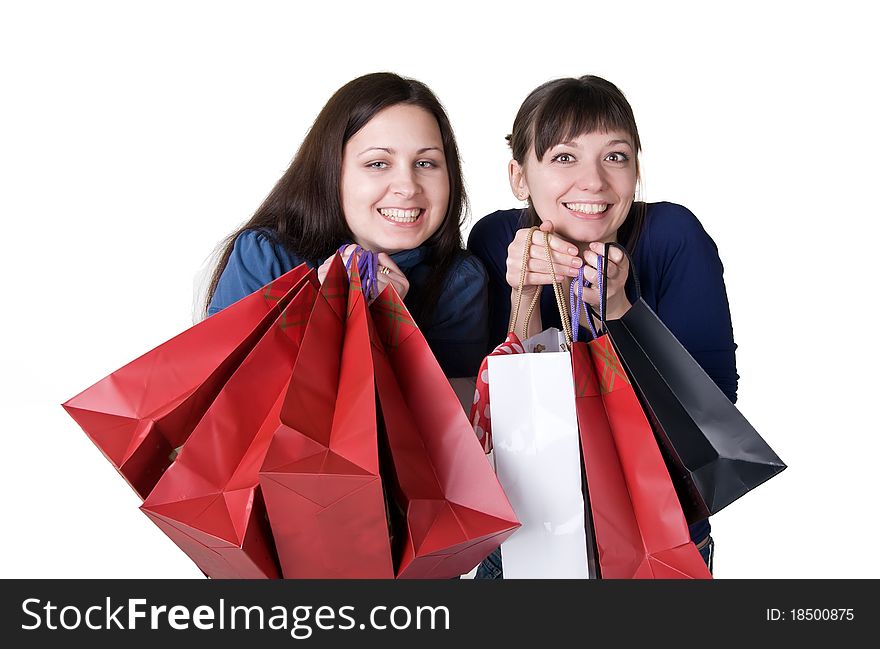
368, 267
576, 295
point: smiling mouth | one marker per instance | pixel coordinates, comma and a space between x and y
588, 208
401, 216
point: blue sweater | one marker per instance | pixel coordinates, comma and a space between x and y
457, 334
681, 278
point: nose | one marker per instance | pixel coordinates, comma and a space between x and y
405, 182
591, 177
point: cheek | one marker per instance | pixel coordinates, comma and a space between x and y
547, 188
360, 196
625, 185
438, 194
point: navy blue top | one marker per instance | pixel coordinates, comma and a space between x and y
681, 278
457, 334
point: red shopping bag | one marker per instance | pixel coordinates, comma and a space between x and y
456, 512
141, 412
209, 502
321, 477
356, 486
640, 529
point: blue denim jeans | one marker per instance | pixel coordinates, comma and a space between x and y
491, 567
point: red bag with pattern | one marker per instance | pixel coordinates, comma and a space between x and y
139, 414
374, 471
640, 529
456, 511
209, 502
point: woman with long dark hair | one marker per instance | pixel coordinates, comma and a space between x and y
575, 149
379, 168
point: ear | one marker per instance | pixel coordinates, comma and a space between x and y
518, 184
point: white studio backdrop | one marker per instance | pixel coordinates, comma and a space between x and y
136, 135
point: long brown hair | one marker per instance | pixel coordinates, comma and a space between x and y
562, 109
303, 212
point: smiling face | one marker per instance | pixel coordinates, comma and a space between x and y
395, 185
584, 186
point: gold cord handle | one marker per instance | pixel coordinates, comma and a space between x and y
522, 281
557, 291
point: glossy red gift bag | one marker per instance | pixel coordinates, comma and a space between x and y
640, 528
357, 485
142, 412
209, 502
456, 511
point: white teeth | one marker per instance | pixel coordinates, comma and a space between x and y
587, 208
401, 216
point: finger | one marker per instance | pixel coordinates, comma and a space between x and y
612, 269
541, 279
399, 282
562, 263
385, 260
541, 265
398, 285
557, 243
532, 278
590, 296
346, 253
563, 251
546, 226
615, 254
324, 269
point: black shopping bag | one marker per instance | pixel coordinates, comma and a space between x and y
712, 452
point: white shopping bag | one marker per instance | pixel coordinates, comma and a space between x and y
537, 459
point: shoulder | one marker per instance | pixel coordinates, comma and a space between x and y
491, 236
256, 246
672, 224
673, 231
466, 269
260, 252
255, 260
497, 227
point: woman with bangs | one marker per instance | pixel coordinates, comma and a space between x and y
575, 149
379, 168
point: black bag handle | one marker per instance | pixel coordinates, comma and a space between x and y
603, 298
603, 281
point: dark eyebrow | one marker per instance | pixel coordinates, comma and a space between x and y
391, 151
608, 143
378, 148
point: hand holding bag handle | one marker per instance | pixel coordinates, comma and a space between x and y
368, 267
603, 275
479, 413
557, 291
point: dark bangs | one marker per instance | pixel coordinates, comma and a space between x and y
574, 108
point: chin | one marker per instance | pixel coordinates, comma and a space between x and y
397, 244
580, 232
